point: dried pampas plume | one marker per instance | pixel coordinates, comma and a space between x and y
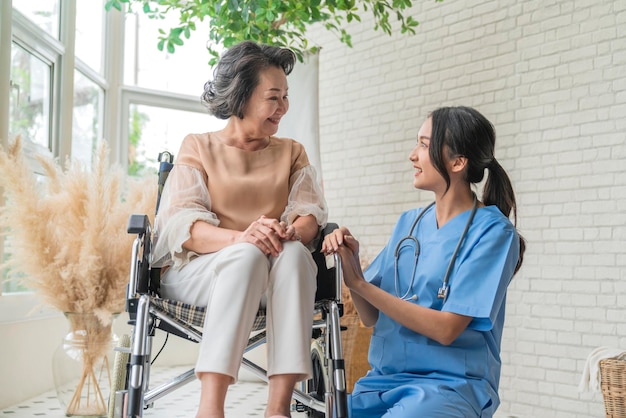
67, 233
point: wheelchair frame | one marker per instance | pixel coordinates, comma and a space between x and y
324, 395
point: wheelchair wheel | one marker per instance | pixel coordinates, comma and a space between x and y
119, 375
318, 384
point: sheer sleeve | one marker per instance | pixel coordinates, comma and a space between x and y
185, 200
305, 197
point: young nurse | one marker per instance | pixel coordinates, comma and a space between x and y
436, 293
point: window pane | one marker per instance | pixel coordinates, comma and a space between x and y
44, 13
86, 117
155, 129
185, 71
89, 32
29, 104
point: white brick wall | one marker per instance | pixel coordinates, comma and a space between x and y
551, 76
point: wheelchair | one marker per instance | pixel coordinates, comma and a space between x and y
324, 395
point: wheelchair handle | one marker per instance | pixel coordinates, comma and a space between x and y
338, 278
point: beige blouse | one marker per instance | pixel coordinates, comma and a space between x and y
231, 187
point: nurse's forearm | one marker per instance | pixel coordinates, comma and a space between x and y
443, 327
367, 313
353, 278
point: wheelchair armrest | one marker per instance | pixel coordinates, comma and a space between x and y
328, 278
138, 224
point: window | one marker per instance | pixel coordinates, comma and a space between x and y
153, 129
86, 118
30, 73
114, 84
161, 96
31, 96
90, 33
43, 13
145, 66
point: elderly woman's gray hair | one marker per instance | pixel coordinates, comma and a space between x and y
237, 74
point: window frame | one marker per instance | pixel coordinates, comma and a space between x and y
132, 95
20, 306
46, 48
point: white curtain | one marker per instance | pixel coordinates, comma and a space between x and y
301, 122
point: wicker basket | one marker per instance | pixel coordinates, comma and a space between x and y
355, 340
613, 384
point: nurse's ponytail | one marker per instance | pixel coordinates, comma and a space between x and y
498, 191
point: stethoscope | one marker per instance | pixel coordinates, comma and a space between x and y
442, 293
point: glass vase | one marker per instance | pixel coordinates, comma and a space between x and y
81, 366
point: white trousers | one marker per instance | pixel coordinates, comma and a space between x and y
231, 284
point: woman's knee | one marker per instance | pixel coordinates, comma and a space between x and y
295, 256
294, 262
244, 258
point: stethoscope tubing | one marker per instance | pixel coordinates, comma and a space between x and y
442, 293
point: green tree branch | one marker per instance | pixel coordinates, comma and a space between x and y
275, 22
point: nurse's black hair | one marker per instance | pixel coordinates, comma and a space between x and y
466, 132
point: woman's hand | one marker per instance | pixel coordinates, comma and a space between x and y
267, 234
290, 233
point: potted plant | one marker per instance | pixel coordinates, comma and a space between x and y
66, 240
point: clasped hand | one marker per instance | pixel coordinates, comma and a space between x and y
268, 234
341, 242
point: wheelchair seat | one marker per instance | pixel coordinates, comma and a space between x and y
324, 395
194, 315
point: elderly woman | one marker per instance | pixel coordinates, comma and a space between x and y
238, 214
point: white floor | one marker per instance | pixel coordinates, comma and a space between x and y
245, 399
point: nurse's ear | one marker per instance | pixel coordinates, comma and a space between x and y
457, 164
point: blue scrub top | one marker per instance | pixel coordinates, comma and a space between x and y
482, 271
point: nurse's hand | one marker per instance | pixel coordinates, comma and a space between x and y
337, 238
350, 262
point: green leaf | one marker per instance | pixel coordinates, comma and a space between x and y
116, 4
233, 5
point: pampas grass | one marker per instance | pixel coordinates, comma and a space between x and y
67, 233
67, 236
